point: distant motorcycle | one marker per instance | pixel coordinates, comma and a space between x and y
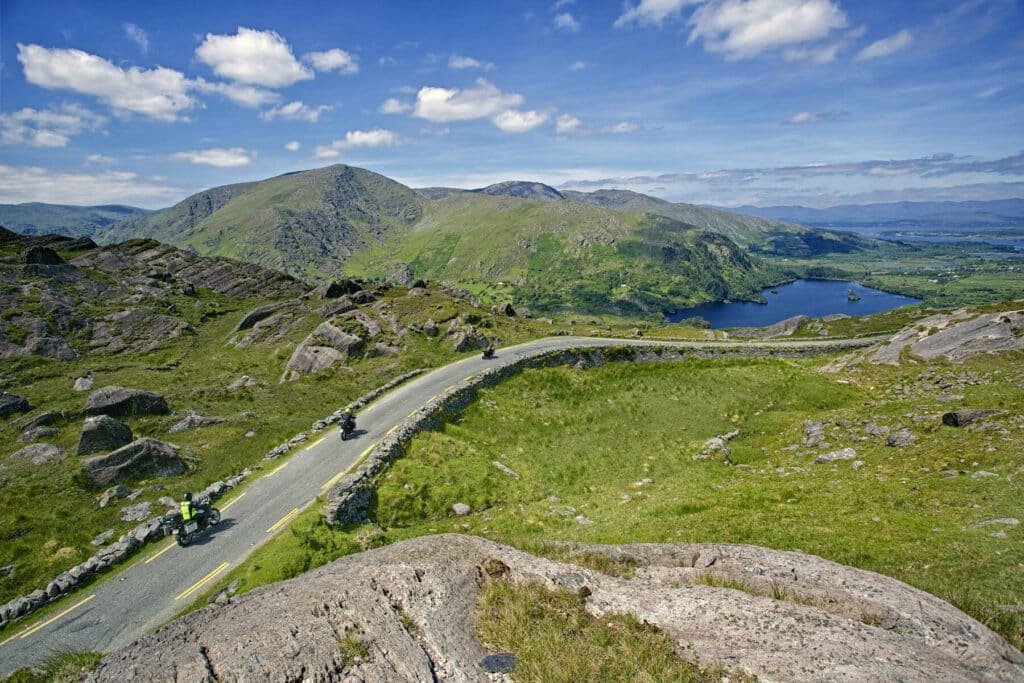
347, 428
185, 532
488, 353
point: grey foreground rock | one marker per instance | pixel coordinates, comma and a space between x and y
103, 433
964, 417
122, 402
141, 458
37, 453
12, 403
841, 454
412, 607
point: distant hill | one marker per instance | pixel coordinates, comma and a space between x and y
548, 253
764, 235
36, 218
921, 215
306, 224
565, 255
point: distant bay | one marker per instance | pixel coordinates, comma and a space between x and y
813, 298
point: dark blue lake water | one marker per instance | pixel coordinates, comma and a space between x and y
813, 298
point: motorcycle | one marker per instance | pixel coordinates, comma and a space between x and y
488, 353
185, 532
346, 428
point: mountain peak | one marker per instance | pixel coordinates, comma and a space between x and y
523, 189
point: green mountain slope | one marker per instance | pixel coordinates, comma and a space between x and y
762, 235
306, 224
565, 255
36, 218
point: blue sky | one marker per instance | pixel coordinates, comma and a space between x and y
725, 102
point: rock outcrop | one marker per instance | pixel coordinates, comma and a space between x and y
122, 402
956, 336
783, 328
12, 403
37, 453
103, 433
322, 349
966, 416
141, 458
410, 608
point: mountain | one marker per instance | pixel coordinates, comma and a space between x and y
765, 235
306, 223
566, 255
36, 218
522, 189
924, 215
546, 252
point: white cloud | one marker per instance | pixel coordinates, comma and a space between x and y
825, 54
137, 35
514, 121
293, 146
296, 111
566, 124
244, 95
559, 4
254, 57
47, 128
886, 46
332, 60
621, 128
33, 184
806, 117
377, 137
442, 104
567, 22
100, 159
158, 93
578, 65
221, 158
651, 11
394, 106
745, 28
460, 62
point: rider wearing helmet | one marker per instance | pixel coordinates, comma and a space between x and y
188, 510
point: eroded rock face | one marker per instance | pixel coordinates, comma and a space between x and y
412, 606
322, 349
141, 458
121, 402
37, 453
102, 433
956, 336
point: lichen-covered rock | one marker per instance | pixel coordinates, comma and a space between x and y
412, 607
37, 453
841, 454
142, 458
956, 336
12, 403
258, 314
122, 402
103, 433
320, 350
193, 421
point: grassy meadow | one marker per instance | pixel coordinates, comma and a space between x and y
607, 455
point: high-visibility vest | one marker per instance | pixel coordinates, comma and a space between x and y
186, 510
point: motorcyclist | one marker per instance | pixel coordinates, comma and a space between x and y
489, 350
190, 511
347, 423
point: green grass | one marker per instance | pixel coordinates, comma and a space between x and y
61, 667
584, 441
554, 639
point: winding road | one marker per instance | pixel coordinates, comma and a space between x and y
141, 597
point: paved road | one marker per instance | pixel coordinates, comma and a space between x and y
147, 594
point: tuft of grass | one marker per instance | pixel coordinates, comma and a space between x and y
61, 667
554, 639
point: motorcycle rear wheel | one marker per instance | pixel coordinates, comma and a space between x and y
184, 539
213, 517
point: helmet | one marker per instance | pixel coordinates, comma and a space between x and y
188, 496
348, 411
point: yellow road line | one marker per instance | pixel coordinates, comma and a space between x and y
283, 520
268, 475
391, 431
198, 584
333, 480
316, 443
233, 501
412, 413
160, 552
49, 621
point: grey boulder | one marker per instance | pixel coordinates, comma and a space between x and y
142, 458
102, 433
122, 402
37, 453
12, 403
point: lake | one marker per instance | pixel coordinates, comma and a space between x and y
813, 298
